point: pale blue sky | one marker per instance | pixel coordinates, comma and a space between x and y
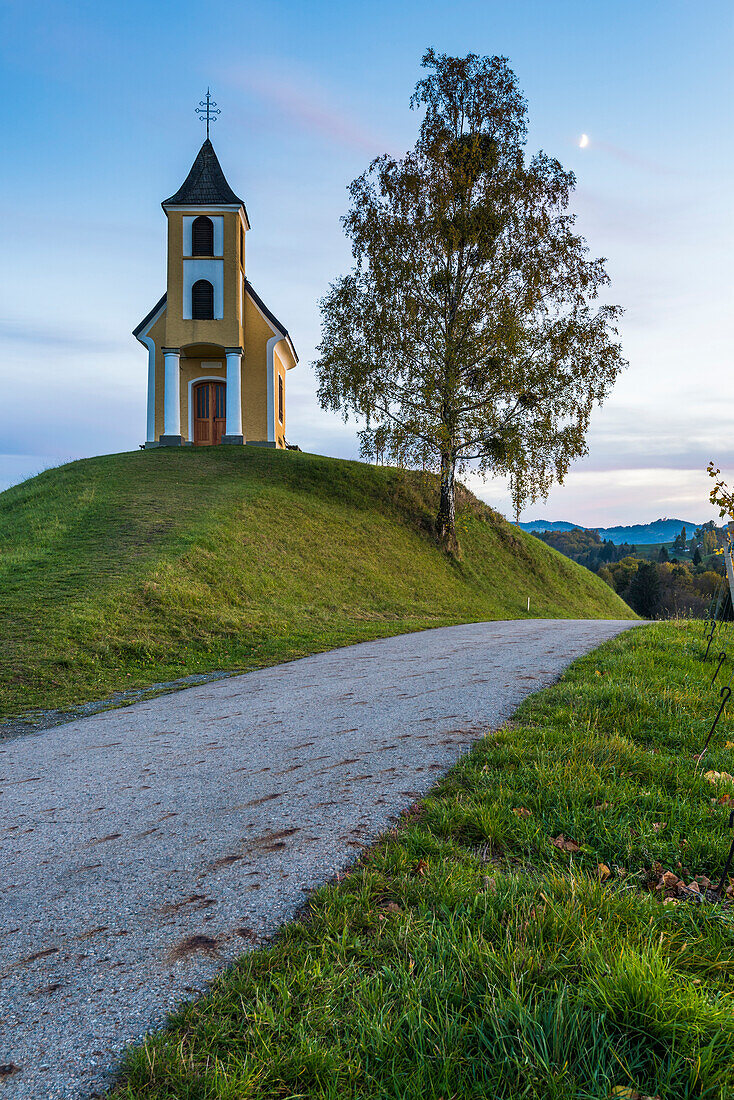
99, 127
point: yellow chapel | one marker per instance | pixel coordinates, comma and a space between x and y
217, 356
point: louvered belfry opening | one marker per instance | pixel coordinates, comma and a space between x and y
202, 300
202, 237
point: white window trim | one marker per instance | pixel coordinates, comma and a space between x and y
217, 221
213, 272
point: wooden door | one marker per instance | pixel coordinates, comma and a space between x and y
209, 413
219, 409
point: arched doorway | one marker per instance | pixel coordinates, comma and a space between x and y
209, 413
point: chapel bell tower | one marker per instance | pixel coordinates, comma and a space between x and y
218, 357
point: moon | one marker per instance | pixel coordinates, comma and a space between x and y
583, 141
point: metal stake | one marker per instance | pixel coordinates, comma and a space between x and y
710, 637
722, 658
725, 694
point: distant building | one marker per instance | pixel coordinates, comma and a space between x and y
217, 356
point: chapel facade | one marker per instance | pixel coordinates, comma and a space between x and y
218, 358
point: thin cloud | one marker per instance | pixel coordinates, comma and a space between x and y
310, 109
20, 332
634, 160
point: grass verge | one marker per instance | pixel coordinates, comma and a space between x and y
468, 955
122, 571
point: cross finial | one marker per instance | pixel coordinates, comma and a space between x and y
207, 111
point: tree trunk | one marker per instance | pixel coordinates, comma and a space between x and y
446, 518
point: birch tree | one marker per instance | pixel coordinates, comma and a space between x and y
468, 333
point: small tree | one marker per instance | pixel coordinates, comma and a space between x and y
465, 333
644, 590
663, 554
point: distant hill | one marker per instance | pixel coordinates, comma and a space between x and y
638, 534
660, 530
550, 525
131, 569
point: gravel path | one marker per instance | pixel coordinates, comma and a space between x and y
143, 848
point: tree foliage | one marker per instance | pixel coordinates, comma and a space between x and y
586, 547
644, 590
468, 331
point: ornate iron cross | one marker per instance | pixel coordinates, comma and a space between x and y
207, 111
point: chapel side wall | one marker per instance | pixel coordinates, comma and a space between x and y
280, 372
254, 381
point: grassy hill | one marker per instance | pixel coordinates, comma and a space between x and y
128, 569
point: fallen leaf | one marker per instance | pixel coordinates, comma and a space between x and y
602, 805
522, 812
729, 745
565, 844
670, 880
604, 872
623, 1092
420, 868
718, 777
658, 825
670, 901
393, 907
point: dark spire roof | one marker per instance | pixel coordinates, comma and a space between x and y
205, 184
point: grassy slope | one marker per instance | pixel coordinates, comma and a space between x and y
467, 956
127, 569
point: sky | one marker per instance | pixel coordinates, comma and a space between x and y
99, 126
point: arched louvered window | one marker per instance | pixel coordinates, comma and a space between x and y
202, 300
202, 237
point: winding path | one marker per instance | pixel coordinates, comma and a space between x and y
143, 848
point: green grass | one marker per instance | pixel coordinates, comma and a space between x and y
467, 956
121, 571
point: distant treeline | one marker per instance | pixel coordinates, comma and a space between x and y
662, 589
586, 547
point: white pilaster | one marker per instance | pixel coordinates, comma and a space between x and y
150, 422
172, 393
270, 390
233, 429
